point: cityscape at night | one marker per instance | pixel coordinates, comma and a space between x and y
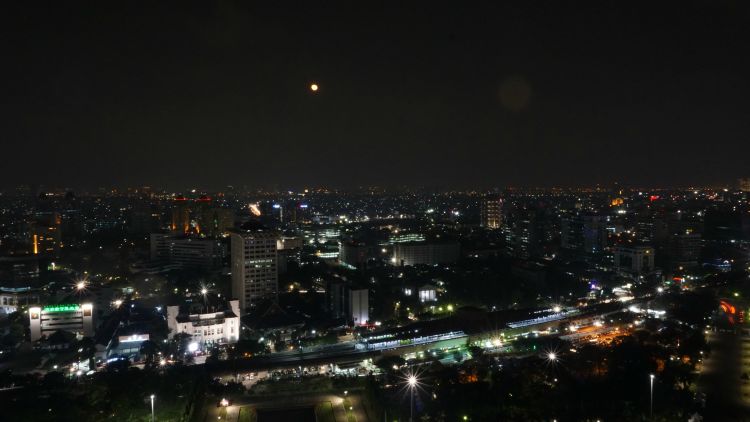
363, 212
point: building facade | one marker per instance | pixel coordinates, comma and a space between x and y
186, 251
75, 318
491, 212
634, 260
359, 306
207, 329
425, 253
254, 265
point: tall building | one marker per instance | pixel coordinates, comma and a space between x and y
200, 217
254, 264
180, 215
684, 250
46, 238
186, 251
492, 212
744, 184
584, 233
359, 307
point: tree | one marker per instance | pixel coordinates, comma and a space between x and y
149, 350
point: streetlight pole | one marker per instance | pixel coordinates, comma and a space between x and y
411, 407
412, 380
651, 409
152, 408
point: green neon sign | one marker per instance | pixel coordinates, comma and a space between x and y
61, 308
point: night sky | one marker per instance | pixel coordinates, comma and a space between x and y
417, 93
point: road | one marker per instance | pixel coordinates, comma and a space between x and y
727, 394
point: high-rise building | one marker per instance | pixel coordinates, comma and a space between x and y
46, 238
744, 184
254, 264
200, 217
492, 212
180, 215
684, 250
359, 307
584, 233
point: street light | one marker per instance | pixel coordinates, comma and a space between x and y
152, 407
551, 356
412, 382
651, 408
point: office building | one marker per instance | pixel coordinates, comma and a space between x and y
46, 239
684, 250
584, 233
13, 299
75, 318
634, 259
254, 264
184, 251
359, 307
491, 212
425, 253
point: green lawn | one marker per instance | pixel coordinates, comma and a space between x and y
247, 414
324, 412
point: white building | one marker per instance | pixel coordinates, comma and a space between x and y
13, 299
254, 265
209, 328
75, 318
427, 293
359, 306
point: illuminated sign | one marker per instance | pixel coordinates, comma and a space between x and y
61, 308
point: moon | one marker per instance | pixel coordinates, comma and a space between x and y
313, 87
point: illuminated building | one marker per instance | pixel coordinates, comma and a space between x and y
492, 212
75, 318
12, 299
427, 293
180, 215
209, 328
359, 308
45, 234
254, 264
200, 217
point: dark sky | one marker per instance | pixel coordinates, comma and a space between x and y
416, 93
